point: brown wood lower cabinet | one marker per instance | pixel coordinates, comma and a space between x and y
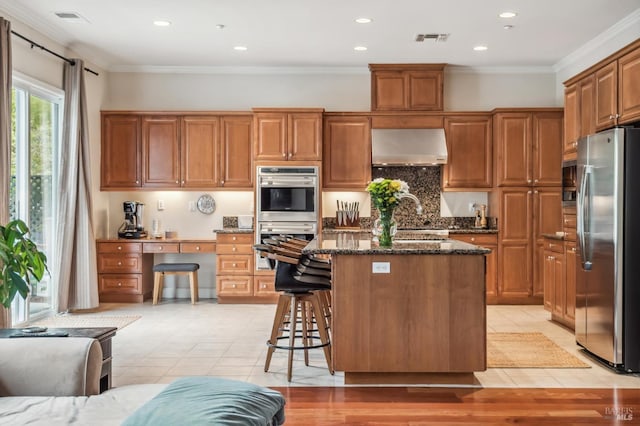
559, 280
489, 241
124, 273
235, 282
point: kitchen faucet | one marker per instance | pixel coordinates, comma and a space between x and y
415, 200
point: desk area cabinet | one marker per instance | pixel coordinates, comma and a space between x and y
125, 267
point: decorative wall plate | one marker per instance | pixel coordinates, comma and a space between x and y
206, 204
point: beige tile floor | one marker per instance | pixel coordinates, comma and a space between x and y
175, 339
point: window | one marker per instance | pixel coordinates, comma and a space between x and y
36, 113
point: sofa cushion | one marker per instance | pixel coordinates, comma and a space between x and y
211, 401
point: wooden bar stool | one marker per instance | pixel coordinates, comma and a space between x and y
162, 269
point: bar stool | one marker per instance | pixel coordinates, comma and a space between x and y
300, 303
162, 269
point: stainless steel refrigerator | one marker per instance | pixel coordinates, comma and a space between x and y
608, 253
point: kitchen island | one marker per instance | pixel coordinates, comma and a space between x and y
412, 313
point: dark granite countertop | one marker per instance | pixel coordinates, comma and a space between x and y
419, 231
234, 231
473, 231
362, 243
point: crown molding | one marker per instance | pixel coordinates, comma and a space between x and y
632, 21
237, 70
458, 69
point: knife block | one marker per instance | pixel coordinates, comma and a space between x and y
344, 221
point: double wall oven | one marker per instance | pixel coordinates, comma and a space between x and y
287, 202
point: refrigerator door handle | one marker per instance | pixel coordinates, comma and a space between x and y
585, 204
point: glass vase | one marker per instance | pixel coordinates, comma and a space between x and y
385, 227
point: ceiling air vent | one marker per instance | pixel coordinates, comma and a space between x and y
71, 17
433, 36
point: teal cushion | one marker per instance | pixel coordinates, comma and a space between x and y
211, 401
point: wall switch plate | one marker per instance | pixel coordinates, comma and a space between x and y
381, 267
160, 204
192, 206
472, 207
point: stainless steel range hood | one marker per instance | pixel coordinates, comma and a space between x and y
408, 147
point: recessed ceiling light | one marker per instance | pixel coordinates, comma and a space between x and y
364, 20
360, 48
220, 26
161, 23
508, 14
480, 48
508, 27
240, 48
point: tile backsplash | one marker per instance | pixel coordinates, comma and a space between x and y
424, 183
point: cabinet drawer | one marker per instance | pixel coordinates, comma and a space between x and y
234, 249
263, 286
569, 221
161, 247
198, 247
234, 286
119, 263
227, 264
570, 234
554, 246
234, 239
477, 239
124, 284
119, 247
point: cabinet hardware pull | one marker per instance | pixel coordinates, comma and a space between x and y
263, 286
183, 182
234, 238
234, 248
289, 155
528, 180
119, 284
119, 247
284, 155
119, 263
177, 182
536, 180
234, 286
197, 248
234, 264
473, 238
528, 192
160, 248
137, 182
222, 182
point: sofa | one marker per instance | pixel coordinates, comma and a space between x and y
55, 381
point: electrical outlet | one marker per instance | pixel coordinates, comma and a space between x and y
472, 207
192, 206
160, 204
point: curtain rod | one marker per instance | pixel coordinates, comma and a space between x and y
33, 43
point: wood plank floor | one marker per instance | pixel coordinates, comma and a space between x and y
460, 406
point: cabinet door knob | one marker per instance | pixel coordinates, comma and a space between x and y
573, 249
234, 264
234, 286
137, 182
177, 182
611, 117
234, 248
119, 284
119, 263
119, 247
473, 238
234, 238
528, 180
528, 192
263, 286
289, 155
222, 182
160, 248
183, 182
536, 180
197, 248
284, 155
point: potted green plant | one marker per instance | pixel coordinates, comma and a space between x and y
20, 260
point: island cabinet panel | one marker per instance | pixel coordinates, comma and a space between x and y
470, 163
120, 166
346, 163
124, 272
489, 241
426, 316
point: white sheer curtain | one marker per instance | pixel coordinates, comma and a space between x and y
5, 134
76, 266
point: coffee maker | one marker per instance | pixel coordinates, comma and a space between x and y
132, 226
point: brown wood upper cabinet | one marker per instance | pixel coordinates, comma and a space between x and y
618, 91
121, 148
579, 112
149, 151
407, 87
346, 163
529, 147
469, 144
291, 134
